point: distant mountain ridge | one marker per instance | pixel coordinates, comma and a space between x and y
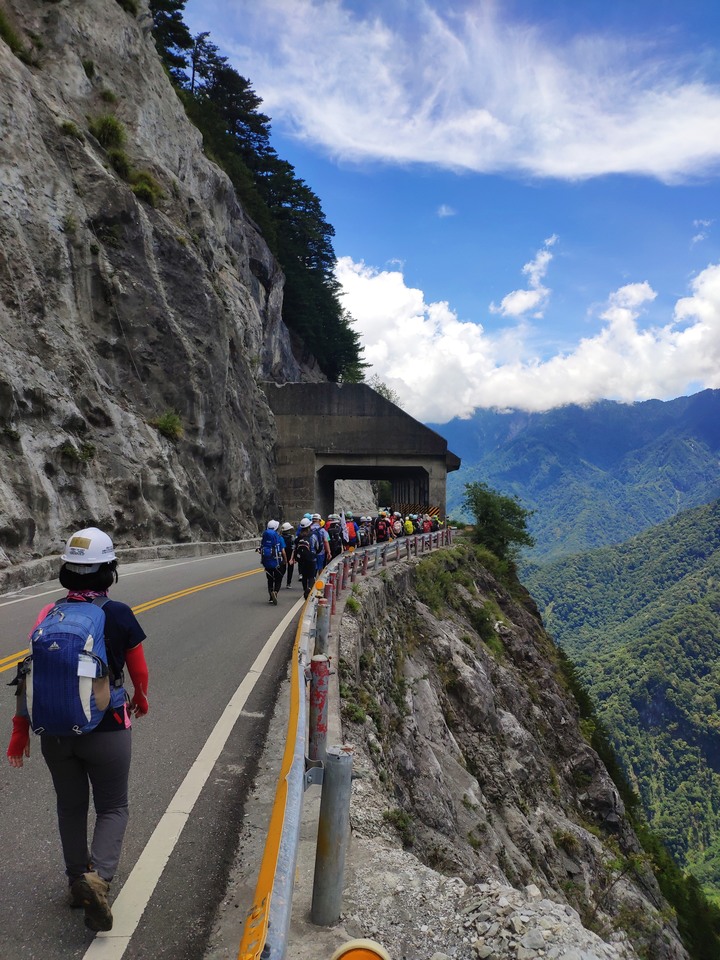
593, 475
642, 622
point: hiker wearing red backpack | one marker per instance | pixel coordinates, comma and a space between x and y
95, 749
382, 527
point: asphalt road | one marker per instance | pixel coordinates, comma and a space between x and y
200, 646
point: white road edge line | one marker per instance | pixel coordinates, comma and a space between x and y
138, 888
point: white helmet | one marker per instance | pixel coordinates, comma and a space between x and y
305, 522
286, 526
87, 549
273, 524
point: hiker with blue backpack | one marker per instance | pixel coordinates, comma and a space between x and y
273, 559
70, 691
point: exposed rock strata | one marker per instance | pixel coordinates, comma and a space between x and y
471, 753
114, 312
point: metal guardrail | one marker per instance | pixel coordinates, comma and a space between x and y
267, 925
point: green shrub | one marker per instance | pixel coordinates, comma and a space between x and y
9, 36
120, 162
145, 187
83, 455
353, 712
352, 605
402, 822
71, 130
108, 96
169, 425
108, 131
567, 841
89, 68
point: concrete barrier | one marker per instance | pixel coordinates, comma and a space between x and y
20, 575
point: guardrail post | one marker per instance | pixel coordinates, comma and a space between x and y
345, 570
407, 548
328, 593
332, 579
322, 626
353, 568
317, 738
384, 554
397, 549
365, 564
377, 555
415, 543
333, 836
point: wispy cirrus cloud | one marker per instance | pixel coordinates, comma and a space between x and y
533, 299
703, 228
493, 94
622, 360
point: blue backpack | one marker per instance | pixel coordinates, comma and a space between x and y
270, 549
68, 686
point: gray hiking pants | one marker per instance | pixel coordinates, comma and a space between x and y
100, 760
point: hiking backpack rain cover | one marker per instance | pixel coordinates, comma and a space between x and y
270, 550
67, 682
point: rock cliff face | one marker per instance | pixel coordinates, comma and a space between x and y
472, 754
119, 315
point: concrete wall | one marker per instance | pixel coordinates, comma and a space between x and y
328, 431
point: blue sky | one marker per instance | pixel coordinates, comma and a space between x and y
524, 194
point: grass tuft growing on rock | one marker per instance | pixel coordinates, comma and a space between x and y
108, 131
145, 187
169, 425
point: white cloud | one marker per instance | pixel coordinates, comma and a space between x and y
702, 226
445, 211
518, 303
490, 95
442, 367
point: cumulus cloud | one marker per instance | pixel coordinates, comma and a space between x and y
442, 367
518, 303
445, 211
492, 94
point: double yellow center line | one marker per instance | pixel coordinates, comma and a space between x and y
7, 663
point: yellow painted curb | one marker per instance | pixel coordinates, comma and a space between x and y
361, 950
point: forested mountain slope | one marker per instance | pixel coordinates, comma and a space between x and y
593, 475
642, 621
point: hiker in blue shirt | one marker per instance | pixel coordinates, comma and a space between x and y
273, 558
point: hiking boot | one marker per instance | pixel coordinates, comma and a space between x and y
74, 899
91, 891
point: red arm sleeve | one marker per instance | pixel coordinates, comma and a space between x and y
137, 668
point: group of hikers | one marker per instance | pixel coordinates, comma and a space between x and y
316, 541
71, 690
